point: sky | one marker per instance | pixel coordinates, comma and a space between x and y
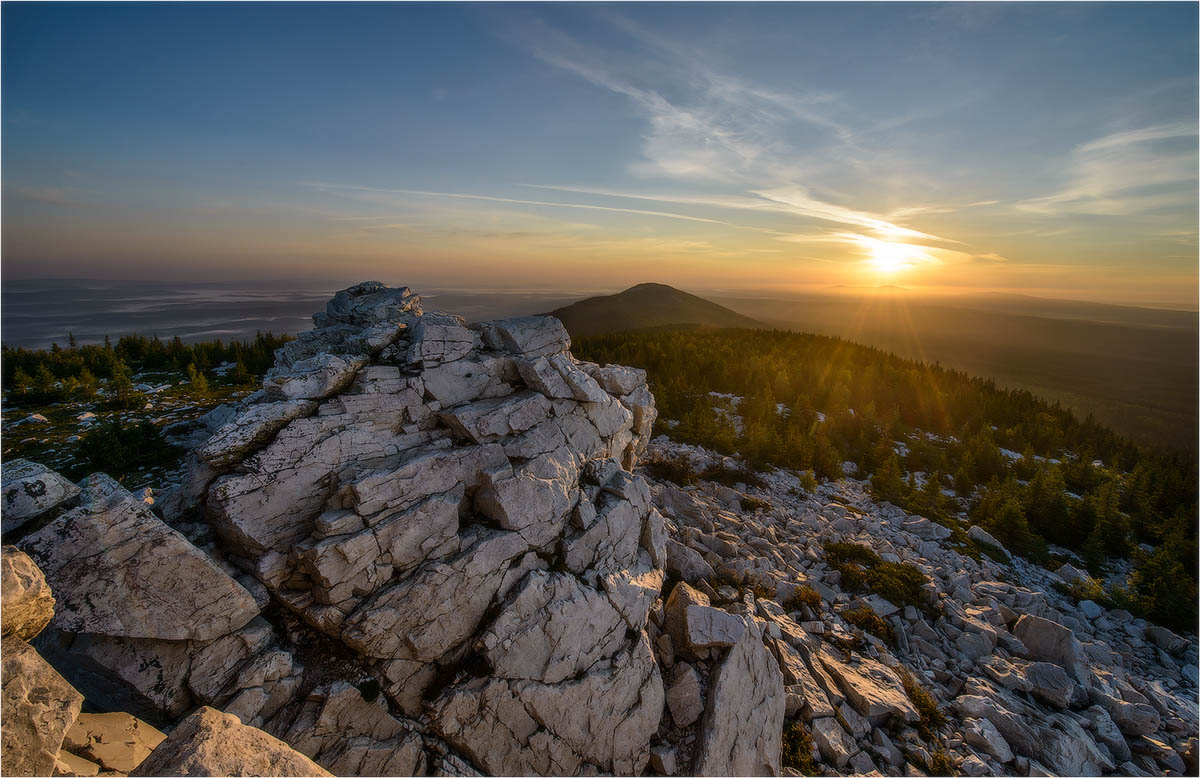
1038, 148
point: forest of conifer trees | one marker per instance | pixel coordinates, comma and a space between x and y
936, 442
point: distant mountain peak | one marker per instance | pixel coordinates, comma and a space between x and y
651, 285
645, 306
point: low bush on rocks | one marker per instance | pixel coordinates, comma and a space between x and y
797, 748
1080, 590
940, 763
677, 471
762, 592
838, 554
927, 707
863, 570
993, 553
804, 596
753, 503
731, 476
869, 621
899, 583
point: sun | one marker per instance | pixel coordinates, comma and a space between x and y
891, 258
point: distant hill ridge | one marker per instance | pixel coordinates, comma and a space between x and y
645, 306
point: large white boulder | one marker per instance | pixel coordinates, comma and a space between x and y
1052, 642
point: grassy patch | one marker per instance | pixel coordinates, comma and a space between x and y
59, 443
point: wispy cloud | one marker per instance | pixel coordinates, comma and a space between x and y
791, 200
46, 195
704, 125
1126, 173
801, 203
515, 201
720, 130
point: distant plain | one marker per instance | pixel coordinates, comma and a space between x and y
1135, 369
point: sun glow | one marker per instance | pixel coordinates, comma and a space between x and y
891, 258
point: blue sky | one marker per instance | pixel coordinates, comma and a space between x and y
1045, 148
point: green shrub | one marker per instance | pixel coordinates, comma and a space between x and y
869, 621
940, 763
677, 471
197, 380
847, 553
797, 748
927, 707
897, 582
118, 450
753, 503
807, 596
993, 553
863, 570
761, 592
731, 476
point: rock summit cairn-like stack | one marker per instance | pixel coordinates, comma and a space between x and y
455, 504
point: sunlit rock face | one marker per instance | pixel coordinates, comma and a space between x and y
441, 498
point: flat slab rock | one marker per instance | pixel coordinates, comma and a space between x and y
115, 741
210, 742
117, 570
872, 689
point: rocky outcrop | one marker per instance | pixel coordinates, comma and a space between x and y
27, 605
405, 483
209, 742
146, 622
